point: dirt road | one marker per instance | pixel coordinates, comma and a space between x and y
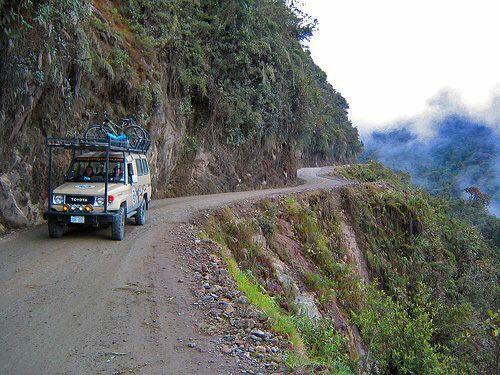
85, 304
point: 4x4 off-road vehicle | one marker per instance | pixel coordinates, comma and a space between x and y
107, 182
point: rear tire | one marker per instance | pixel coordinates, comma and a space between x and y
95, 132
118, 225
140, 216
56, 229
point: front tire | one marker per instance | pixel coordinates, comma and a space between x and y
56, 229
118, 225
140, 216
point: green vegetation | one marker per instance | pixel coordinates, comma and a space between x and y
321, 348
325, 287
316, 226
120, 60
474, 212
235, 59
239, 68
327, 349
400, 336
281, 322
266, 219
415, 246
317, 346
190, 145
432, 306
222, 232
372, 172
235, 76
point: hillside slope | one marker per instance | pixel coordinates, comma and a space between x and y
231, 97
374, 277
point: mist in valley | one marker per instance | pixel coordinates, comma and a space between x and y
445, 151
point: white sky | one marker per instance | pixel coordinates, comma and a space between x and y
390, 57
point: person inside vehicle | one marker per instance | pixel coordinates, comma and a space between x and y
88, 173
99, 172
117, 174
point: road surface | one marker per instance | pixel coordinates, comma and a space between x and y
84, 304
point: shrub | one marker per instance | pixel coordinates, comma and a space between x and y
190, 145
372, 172
323, 286
267, 218
408, 238
120, 59
399, 337
327, 349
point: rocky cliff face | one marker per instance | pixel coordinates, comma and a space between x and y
231, 102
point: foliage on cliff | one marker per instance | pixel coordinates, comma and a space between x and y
227, 89
473, 212
426, 258
243, 74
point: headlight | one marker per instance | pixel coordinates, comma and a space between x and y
99, 201
57, 199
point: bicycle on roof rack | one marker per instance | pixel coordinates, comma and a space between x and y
127, 130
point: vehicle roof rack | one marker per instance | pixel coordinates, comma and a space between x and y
140, 147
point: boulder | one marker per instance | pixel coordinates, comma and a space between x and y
10, 211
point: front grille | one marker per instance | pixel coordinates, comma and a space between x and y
79, 199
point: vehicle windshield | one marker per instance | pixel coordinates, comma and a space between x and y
92, 170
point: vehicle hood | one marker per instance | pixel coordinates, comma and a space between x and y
88, 188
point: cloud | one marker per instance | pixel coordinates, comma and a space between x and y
388, 58
446, 103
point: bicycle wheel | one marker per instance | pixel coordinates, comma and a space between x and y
95, 132
135, 135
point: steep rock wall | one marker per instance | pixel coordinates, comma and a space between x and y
223, 115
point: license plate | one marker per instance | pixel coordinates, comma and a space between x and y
77, 219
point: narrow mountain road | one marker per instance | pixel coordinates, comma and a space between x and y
84, 304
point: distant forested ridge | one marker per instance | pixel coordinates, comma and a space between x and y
462, 152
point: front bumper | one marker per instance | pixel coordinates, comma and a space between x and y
91, 218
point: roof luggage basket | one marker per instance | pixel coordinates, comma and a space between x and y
131, 138
140, 147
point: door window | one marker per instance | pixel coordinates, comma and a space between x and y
130, 171
140, 170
